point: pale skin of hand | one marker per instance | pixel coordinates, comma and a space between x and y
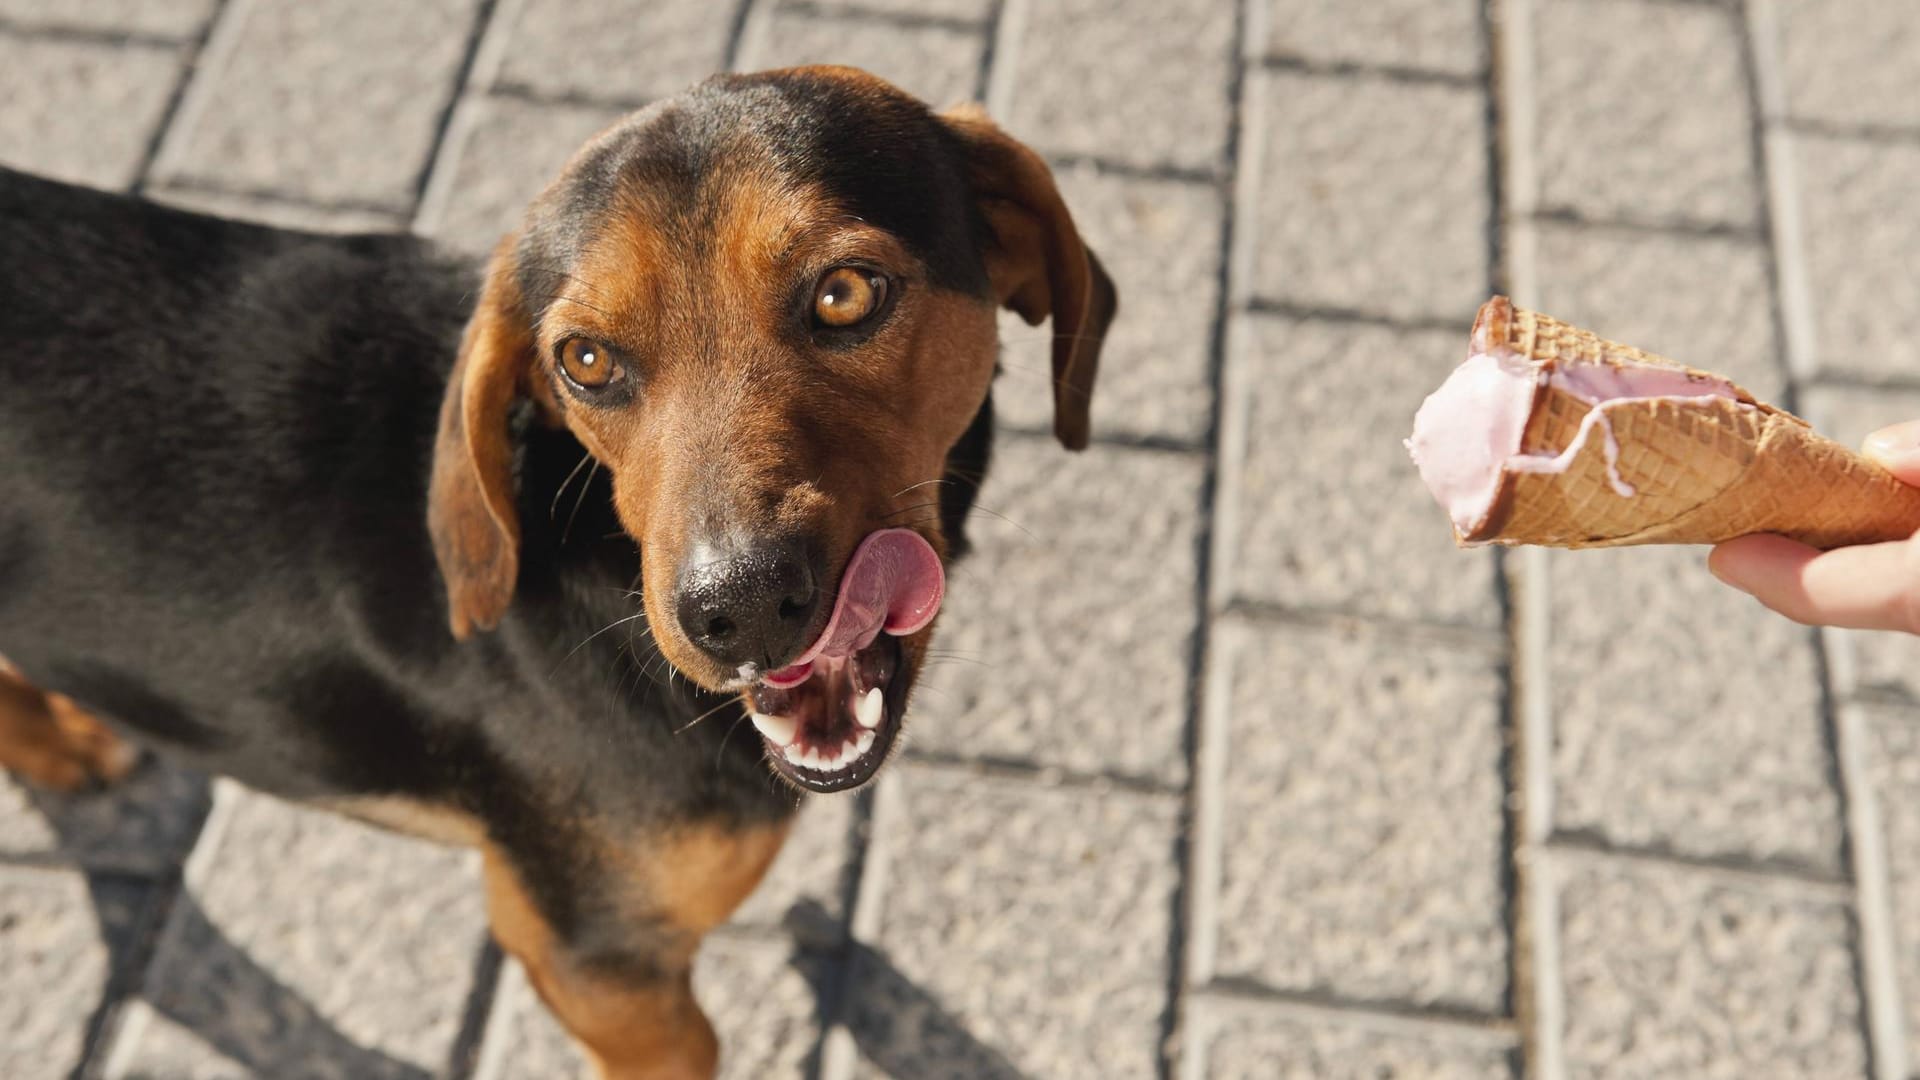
1870, 587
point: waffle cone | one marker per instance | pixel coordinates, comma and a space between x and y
1701, 469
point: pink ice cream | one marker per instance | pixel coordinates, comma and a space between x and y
1467, 435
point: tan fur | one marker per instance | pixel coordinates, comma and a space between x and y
51, 742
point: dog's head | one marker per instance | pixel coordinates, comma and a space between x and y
767, 307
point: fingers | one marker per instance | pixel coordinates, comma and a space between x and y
1870, 587
1897, 449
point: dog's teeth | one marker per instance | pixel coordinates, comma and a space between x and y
793, 753
817, 761
779, 730
866, 742
870, 709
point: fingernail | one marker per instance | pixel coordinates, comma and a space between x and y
1897, 441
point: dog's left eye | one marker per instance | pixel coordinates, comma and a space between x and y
587, 363
848, 296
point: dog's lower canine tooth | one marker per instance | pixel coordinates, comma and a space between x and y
779, 730
870, 709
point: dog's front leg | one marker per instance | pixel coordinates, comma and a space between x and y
620, 979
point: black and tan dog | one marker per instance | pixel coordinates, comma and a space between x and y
701, 449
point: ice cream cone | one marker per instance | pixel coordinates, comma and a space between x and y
1618, 446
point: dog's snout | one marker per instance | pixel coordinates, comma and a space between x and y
748, 605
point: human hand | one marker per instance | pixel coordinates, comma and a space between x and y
1870, 587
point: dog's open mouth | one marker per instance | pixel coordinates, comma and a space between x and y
830, 718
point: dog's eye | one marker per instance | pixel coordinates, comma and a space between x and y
848, 296
588, 363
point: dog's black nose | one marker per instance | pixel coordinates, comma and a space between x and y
749, 605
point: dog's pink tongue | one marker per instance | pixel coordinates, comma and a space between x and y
894, 582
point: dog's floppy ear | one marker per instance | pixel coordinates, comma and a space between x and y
470, 502
1038, 265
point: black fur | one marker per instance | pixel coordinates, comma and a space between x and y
215, 442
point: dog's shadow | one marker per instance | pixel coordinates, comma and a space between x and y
899, 1028
130, 842
162, 949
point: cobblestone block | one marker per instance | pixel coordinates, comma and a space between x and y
281, 212
1850, 63
628, 51
1084, 568
1685, 717
499, 154
1893, 770
1256, 1043
1024, 933
1362, 845
1860, 225
143, 825
1160, 240
82, 112
1373, 196
760, 1001
1677, 974
306, 944
972, 10
1643, 112
178, 19
330, 103
58, 937
1133, 81
938, 64
1330, 511
1430, 35
1704, 301
1886, 663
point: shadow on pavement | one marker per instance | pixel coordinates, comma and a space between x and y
899, 1028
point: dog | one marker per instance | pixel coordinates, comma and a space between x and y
500, 556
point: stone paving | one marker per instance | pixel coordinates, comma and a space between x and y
1276, 782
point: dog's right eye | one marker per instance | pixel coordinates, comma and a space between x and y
588, 364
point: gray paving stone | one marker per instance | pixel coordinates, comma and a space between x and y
307, 944
1431, 35
499, 154
1860, 225
614, 50
816, 864
1704, 301
1374, 196
1066, 634
1134, 81
1671, 973
180, 19
79, 111
1160, 240
1331, 512
281, 212
1886, 664
1850, 63
336, 102
1893, 769
1362, 840
1643, 112
1686, 718
761, 1004
1254, 1043
57, 940
144, 825
1024, 931
976, 10
938, 64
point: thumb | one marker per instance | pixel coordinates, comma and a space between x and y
1897, 449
